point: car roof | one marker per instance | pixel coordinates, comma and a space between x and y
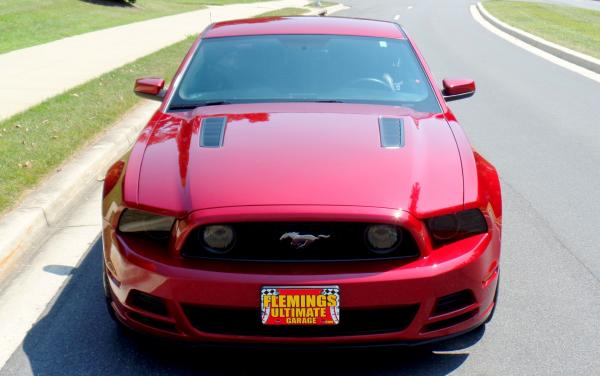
306, 25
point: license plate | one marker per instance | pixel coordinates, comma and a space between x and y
306, 305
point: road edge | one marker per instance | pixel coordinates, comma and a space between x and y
575, 57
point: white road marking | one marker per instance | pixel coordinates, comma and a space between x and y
409, 7
25, 299
397, 17
536, 51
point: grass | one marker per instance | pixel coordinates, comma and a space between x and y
36, 142
284, 12
25, 23
572, 27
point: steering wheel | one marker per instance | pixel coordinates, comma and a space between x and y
372, 81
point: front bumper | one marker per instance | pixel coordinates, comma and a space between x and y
469, 265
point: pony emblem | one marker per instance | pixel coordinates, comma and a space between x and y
299, 241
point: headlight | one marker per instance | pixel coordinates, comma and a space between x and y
137, 221
451, 227
218, 238
383, 239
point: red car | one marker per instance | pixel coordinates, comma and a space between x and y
303, 182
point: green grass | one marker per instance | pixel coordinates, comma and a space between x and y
575, 28
25, 23
284, 12
34, 143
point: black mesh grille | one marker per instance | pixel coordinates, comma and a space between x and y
352, 322
453, 302
158, 324
147, 302
261, 241
449, 322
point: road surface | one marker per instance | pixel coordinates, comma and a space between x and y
537, 122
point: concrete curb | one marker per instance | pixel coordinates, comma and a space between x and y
43, 207
578, 58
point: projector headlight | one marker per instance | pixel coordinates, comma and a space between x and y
383, 239
218, 238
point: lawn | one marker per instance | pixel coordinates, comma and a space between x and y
34, 143
575, 28
25, 23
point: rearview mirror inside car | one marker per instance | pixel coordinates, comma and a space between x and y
458, 88
150, 88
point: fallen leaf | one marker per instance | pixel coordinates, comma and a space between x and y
27, 164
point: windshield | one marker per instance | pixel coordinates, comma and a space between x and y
305, 68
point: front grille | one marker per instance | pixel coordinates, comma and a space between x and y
148, 321
247, 322
449, 322
453, 302
260, 241
147, 302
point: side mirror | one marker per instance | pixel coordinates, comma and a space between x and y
458, 89
150, 88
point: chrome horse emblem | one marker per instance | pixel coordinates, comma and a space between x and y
299, 241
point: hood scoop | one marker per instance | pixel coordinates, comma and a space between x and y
391, 133
212, 132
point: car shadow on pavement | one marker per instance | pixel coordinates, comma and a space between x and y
77, 336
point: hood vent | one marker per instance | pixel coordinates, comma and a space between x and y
391, 133
212, 132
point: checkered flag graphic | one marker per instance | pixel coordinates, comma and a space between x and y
266, 312
335, 311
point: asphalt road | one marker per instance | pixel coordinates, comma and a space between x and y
537, 122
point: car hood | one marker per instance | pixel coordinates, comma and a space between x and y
300, 155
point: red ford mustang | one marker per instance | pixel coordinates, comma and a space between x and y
303, 182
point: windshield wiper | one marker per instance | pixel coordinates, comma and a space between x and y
196, 105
